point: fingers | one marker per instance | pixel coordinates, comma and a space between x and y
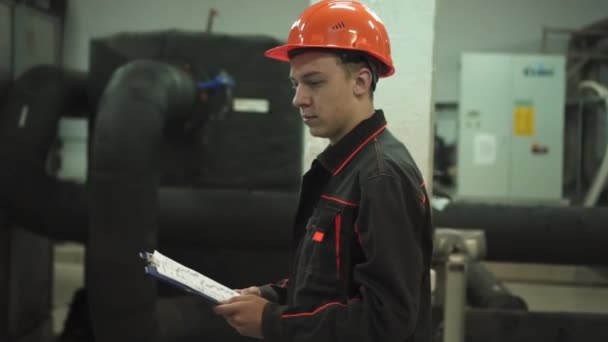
232, 313
243, 313
224, 309
232, 305
228, 308
252, 290
241, 298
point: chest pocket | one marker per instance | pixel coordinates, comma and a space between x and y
324, 242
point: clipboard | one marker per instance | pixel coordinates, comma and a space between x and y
180, 276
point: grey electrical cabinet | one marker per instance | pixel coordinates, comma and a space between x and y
511, 124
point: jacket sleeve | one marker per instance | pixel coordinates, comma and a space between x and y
389, 227
275, 292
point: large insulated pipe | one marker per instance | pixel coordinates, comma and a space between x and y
57, 209
484, 290
124, 173
538, 234
28, 128
236, 219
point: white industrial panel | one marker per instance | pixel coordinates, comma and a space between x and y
511, 123
538, 125
484, 112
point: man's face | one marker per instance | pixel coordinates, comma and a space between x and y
323, 93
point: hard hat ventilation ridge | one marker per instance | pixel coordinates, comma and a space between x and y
338, 26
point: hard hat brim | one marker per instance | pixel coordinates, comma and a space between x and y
281, 53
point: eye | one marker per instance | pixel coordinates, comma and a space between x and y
314, 84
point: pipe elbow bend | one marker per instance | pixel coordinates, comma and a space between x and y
153, 82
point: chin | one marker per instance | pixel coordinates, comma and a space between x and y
317, 133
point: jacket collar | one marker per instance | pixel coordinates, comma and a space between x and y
335, 157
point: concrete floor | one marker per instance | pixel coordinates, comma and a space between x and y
544, 288
68, 277
553, 297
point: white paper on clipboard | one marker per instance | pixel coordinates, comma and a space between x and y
179, 275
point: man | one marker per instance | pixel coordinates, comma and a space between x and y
363, 226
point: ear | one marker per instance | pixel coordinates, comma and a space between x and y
363, 81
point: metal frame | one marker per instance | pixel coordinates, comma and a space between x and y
453, 251
570, 32
581, 58
601, 177
455, 298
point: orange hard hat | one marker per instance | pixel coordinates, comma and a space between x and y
337, 24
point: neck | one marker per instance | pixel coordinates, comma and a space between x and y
360, 112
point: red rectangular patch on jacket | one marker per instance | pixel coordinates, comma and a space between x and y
318, 236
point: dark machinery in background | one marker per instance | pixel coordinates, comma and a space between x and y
588, 114
6, 41
25, 257
176, 163
577, 232
574, 234
585, 134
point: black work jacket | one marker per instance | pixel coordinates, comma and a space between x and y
363, 230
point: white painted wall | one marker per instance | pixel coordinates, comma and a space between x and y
502, 26
88, 19
405, 97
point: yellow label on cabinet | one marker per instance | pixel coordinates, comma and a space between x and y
523, 121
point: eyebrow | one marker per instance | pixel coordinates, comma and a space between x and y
306, 75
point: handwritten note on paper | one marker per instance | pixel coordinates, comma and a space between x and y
191, 278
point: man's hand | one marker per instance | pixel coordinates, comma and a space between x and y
244, 313
252, 290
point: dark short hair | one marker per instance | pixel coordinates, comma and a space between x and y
347, 57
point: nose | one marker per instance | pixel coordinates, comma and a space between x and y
301, 98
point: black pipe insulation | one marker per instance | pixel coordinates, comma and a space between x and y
535, 234
484, 290
188, 217
4, 278
236, 219
57, 209
186, 311
124, 174
28, 127
200, 218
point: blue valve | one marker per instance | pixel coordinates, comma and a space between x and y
222, 80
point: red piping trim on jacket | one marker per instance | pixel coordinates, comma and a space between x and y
352, 155
304, 314
341, 201
423, 196
338, 227
359, 238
